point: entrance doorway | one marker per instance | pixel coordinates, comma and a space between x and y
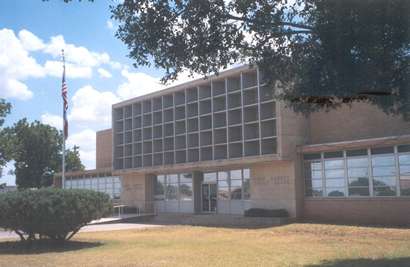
208, 197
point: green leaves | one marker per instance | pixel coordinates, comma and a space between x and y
37, 150
323, 53
55, 213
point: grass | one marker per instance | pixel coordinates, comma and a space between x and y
309, 245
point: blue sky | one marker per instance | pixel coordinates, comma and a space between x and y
32, 33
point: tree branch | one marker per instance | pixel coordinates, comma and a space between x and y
280, 23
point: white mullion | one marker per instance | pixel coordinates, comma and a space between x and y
370, 166
397, 167
346, 173
226, 117
242, 116
212, 119
163, 132
259, 110
323, 175
186, 124
174, 125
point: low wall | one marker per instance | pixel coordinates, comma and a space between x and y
384, 211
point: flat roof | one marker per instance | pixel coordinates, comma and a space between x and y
195, 82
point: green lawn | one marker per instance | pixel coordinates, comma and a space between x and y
291, 245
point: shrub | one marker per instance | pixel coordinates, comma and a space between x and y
256, 212
50, 212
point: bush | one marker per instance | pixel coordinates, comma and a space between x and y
255, 212
50, 212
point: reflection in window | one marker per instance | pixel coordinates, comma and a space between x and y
404, 166
384, 173
313, 175
358, 173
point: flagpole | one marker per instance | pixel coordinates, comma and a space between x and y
63, 159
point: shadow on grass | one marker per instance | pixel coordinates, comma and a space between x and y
44, 246
397, 262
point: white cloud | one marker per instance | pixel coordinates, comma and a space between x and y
75, 54
91, 107
86, 141
30, 41
110, 24
104, 73
55, 69
15, 66
137, 84
52, 120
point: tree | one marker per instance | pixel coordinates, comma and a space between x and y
318, 53
5, 148
72, 160
37, 152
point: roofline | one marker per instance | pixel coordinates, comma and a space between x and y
195, 82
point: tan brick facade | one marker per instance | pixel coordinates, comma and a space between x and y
104, 149
387, 211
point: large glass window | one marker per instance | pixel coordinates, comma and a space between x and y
404, 166
358, 172
110, 185
376, 172
313, 175
384, 172
185, 187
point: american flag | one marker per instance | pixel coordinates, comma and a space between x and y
64, 90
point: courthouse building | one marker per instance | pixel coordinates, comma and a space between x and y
223, 145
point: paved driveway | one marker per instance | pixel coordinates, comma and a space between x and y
96, 228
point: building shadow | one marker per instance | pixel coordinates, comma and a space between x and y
397, 262
44, 246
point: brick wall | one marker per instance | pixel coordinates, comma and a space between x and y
104, 149
357, 122
385, 211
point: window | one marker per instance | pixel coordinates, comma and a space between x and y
235, 150
223, 186
192, 95
147, 120
185, 187
158, 117
220, 136
204, 91
219, 104
235, 116
218, 87
159, 187
168, 115
384, 172
219, 120
205, 122
358, 172
251, 114
179, 98
313, 175
171, 191
180, 113
193, 140
168, 101
234, 83
179, 127
234, 100
157, 103
404, 166
168, 144
221, 152
169, 129
192, 125
250, 96
193, 155
206, 138
334, 174
205, 107
146, 106
192, 110
206, 153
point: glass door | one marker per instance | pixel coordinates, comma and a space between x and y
209, 197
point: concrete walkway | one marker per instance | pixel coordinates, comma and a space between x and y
95, 228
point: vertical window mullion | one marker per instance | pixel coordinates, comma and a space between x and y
397, 167
345, 173
370, 166
322, 161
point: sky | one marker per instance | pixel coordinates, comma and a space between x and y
98, 71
